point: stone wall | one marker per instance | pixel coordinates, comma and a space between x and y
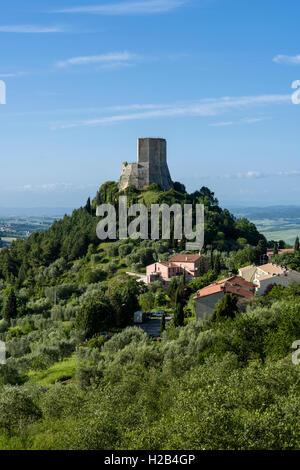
205, 305
151, 167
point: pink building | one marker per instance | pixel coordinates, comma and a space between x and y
165, 270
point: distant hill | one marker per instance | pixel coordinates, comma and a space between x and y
269, 212
274, 222
35, 211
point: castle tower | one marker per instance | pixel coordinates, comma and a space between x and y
151, 166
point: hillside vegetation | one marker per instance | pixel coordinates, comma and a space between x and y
80, 376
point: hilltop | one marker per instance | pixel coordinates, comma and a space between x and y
74, 238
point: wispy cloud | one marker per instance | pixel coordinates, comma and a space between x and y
287, 59
128, 8
107, 60
208, 107
222, 124
240, 121
289, 173
12, 75
30, 29
251, 174
51, 187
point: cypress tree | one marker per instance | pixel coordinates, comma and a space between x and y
88, 206
98, 200
296, 246
162, 323
275, 250
217, 265
11, 309
184, 277
179, 314
201, 270
211, 261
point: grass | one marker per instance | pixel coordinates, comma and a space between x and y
59, 371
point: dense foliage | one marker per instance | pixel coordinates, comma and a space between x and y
80, 376
226, 385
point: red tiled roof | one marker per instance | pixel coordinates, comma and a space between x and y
271, 268
281, 251
240, 291
235, 284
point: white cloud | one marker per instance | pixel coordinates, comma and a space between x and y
252, 120
106, 60
30, 29
222, 124
240, 121
208, 107
12, 75
251, 174
287, 59
128, 8
254, 174
289, 173
51, 187
246, 175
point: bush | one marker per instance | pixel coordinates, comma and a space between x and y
17, 410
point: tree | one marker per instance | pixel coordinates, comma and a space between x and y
184, 277
123, 297
261, 250
296, 246
275, 249
172, 287
217, 265
162, 323
94, 316
98, 199
17, 409
179, 313
147, 301
202, 267
225, 308
11, 308
88, 206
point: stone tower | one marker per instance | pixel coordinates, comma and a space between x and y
151, 166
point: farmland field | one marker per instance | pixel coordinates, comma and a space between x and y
276, 223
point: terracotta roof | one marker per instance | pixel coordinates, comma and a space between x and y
235, 284
281, 251
185, 258
240, 291
267, 276
271, 268
247, 267
248, 273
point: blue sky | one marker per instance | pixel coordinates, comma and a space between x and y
85, 79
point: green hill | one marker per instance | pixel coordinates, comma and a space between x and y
79, 376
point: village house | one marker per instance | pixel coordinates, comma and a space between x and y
176, 266
207, 297
268, 275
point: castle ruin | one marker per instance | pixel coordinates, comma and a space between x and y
151, 166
